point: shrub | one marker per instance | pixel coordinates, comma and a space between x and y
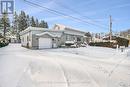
3, 43
122, 41
103, 44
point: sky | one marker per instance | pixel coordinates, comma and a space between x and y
94, 14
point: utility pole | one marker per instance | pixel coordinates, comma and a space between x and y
110, 28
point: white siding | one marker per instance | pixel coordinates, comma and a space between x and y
26, 38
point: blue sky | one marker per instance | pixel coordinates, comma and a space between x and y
92, 11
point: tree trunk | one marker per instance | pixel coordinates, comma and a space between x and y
4, 30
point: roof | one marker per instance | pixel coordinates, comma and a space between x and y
63, 27
32, 29
60, 28
37, 29
52, 34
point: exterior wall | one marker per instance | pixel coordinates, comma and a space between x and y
75, 38
26, 40
74, 32
61, 40
57, 42
32, 40
69, 37
35, 42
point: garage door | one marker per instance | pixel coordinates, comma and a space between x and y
45, 43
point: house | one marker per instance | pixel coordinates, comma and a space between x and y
38, 38
12, 38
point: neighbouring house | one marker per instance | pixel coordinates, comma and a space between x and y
38, 38
12, 38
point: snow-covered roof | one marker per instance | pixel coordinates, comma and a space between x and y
37, 29
33, 29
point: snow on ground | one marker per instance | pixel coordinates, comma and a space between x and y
64, 67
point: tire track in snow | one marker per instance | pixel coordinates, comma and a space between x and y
113, 69
116, 66
81, 64
64, 74
95, 83
25, 70
52, 60
92, 79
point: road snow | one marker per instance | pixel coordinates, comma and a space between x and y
64, 67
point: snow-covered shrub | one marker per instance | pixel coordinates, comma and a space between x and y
69, 43
3, 42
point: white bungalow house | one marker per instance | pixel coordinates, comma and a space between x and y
38, 38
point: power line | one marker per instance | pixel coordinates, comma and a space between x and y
63, 14
72, 10
82, 16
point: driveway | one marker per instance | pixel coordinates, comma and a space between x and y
71, 67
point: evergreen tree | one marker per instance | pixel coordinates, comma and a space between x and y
28, 21
22, 22
46, 25
88, 34
5, 22
42, 24
16, 29
15, 23
37, 23
33, 24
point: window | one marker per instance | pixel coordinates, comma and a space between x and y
67, 37
78, 39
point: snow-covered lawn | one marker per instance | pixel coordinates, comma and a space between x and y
64, 67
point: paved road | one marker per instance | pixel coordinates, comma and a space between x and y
21, 67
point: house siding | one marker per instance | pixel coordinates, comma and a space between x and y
35, 42
25, 39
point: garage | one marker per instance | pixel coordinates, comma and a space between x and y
45, 43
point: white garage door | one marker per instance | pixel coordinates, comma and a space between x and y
45, 43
